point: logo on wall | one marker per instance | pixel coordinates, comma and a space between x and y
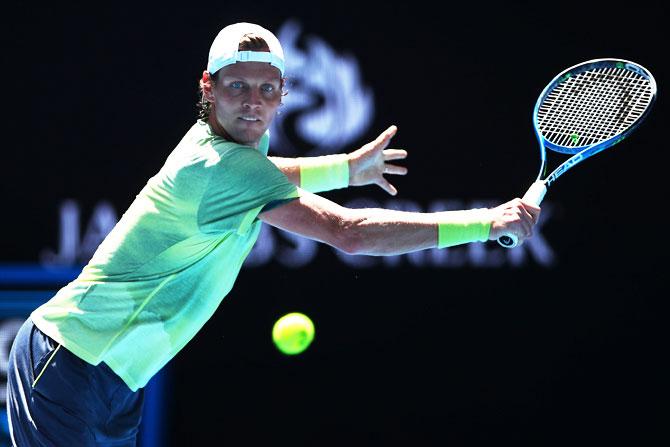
327, 107
293, 251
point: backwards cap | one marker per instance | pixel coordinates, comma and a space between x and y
224, 50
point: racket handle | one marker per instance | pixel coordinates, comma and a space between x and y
534, 195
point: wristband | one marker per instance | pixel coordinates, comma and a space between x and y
464, 227
324, 173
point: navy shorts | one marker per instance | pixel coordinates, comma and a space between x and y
54, 398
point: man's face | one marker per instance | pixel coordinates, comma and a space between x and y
246, 97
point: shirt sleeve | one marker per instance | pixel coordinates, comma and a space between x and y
241, 184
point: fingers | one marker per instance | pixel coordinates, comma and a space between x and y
519, 218
527, 225
388, 154
386, 186
394, 154
392, 129
530, 216
533, 210
394, 169
384, 138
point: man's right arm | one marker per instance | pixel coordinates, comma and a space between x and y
382, 232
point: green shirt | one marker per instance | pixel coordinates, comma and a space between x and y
175, 253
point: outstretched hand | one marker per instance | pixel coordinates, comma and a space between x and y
368, 164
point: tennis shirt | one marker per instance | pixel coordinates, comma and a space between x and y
173, 256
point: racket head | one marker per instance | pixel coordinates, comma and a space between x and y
596, 103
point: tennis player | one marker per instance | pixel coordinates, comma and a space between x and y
78, 365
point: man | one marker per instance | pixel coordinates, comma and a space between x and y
79, 364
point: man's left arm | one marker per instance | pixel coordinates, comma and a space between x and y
364, 166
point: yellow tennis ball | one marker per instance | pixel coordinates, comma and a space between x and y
293, 333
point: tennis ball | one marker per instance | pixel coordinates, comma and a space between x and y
293, 333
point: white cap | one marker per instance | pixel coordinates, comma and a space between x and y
224, 50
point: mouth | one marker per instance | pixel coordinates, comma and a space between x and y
250, 119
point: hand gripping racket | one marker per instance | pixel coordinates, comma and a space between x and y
585, 109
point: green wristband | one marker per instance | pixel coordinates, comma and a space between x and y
464, 227
324, 173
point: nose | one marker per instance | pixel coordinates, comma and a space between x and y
253, 98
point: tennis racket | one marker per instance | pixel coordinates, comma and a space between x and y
585, 109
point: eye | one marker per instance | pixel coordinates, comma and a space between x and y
236, 84
268, 88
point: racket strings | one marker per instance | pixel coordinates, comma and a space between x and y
593, 106
592, 112
582, 98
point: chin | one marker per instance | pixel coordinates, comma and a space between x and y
249, 138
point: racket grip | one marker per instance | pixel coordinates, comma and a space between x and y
534, 195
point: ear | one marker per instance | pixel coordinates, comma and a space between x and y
207, 86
